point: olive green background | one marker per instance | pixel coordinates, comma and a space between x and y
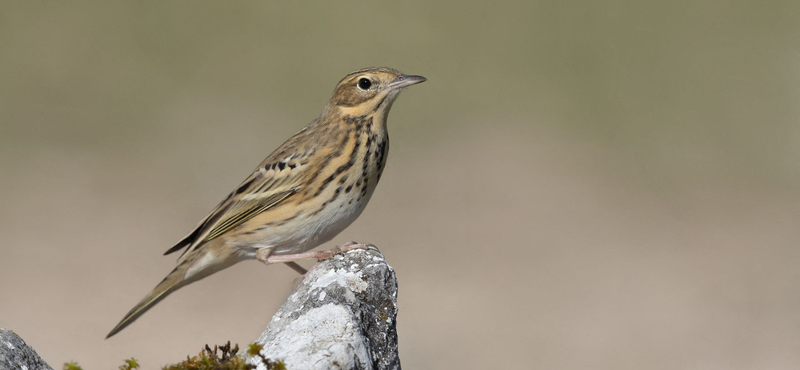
579, 185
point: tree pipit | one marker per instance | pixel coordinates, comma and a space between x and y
307, 191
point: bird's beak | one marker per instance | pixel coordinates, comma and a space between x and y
406, 80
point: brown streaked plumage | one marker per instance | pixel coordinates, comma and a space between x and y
303, 194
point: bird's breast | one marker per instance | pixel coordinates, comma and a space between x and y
339, 193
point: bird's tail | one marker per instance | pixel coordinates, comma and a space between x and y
174, 281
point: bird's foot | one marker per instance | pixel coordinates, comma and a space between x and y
349, 246
317, 255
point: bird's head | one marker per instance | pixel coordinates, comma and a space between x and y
370, 90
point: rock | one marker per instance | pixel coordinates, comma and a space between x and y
342, 316
15, 354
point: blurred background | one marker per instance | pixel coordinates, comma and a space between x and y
580, 184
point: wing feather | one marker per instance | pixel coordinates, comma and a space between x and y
268, 186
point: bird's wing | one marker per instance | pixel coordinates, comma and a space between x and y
271, 183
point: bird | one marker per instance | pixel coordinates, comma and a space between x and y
302, 195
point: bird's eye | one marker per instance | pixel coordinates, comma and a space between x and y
364, 83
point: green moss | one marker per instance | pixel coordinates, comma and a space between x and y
129, 364
254, 349
220, 358
72, 366
225, 358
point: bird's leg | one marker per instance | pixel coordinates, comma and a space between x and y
296, 267
317, 255
262, 255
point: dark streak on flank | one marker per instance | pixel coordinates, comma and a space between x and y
329, 201
322, 167
286, 220
335, 195
352, 161
342, 144
266, 226
333, 176
325, 184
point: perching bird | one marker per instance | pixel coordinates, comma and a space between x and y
307, 191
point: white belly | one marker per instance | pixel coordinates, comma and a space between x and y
311, 231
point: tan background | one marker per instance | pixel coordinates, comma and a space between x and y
579, 185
